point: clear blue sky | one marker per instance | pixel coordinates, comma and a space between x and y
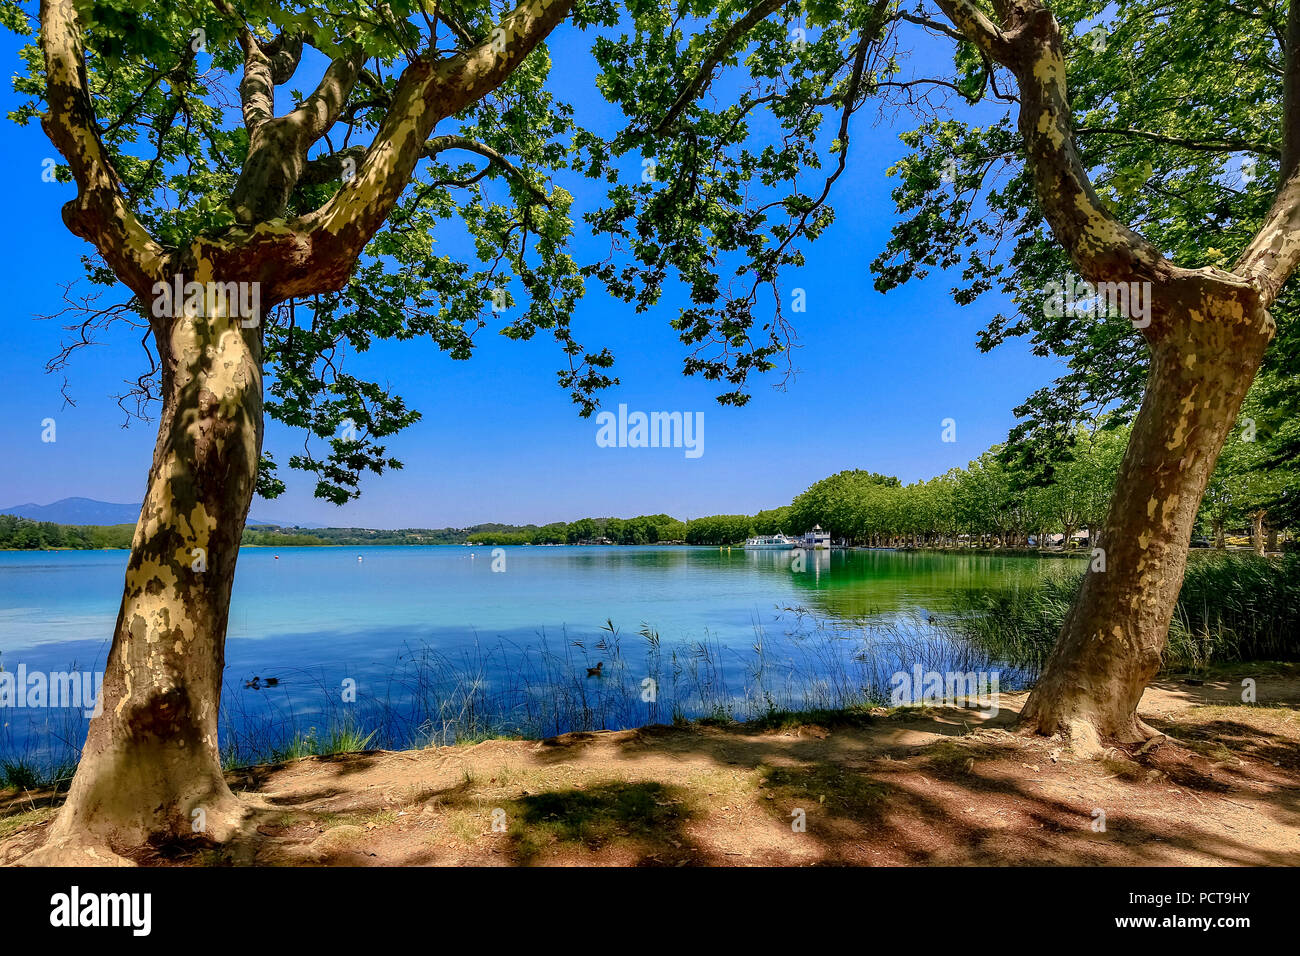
499, 440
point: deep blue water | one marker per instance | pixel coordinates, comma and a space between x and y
437, 641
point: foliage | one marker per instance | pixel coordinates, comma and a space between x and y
163, 79
1232, 607
1176, 111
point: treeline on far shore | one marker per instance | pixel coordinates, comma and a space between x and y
24, 534
996, 501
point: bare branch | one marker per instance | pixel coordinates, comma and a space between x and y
1208, 145
928, 24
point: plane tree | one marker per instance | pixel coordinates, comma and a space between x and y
261, 232
1078, 143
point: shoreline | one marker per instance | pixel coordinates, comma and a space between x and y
937, 786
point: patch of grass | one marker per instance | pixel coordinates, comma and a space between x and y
1232, 607
1228, 732
1124, 769
841, 791
20, 774
341, 738
473, 738
1210, 749
15, 822
912, 712
858, 716
346, 738
1275, 718
329, 821
1235, 670
299, 746
950, 758
597, 816
719, 716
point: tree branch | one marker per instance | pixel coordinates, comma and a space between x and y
976, 27
329, 168
451, 141
721, 50
1274, 252
1029, 45
277, 149
1209, 145
100, 214
319, 250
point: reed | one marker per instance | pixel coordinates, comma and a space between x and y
1232, 607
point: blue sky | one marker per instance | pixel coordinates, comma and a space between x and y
499, 440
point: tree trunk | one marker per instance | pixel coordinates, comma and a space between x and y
150, 771
1110, 647
1257, 531
1272, 539
1219, 542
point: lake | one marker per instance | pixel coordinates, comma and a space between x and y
434, 644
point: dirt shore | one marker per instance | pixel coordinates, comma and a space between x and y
934, 787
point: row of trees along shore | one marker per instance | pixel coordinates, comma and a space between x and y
993, 502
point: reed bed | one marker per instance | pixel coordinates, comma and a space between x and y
1233, 607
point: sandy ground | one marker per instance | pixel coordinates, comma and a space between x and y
939, 787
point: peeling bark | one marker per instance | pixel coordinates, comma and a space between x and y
1112, 641
150, 768
1207, 335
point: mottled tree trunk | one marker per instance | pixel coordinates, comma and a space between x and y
150, 769
1111, 644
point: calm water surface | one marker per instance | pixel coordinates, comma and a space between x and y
316, 616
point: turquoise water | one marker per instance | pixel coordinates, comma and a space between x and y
413, 625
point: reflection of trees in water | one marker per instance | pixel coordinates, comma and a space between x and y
861, 584
846, 585
641, 556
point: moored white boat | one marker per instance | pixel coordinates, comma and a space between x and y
769, 542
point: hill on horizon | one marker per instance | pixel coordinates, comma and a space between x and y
84, 511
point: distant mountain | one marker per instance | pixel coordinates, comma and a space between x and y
90, 511
77, 511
